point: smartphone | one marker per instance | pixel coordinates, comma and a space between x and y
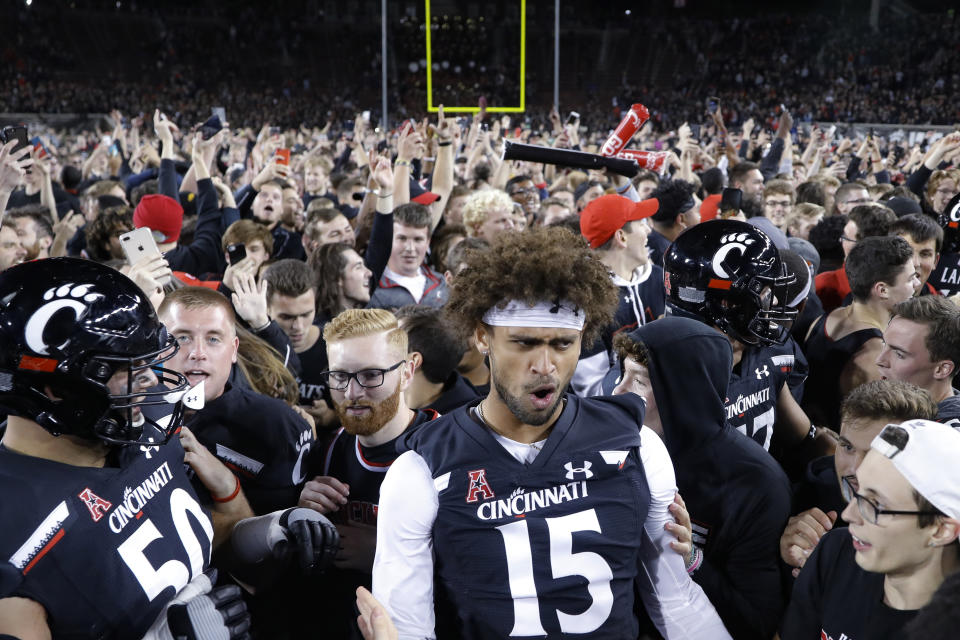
695, 131
211, 127
139, 244
18, 133
236, 252
573, 117
831, 131
219, 112
282, 156
730, 202
713, 104
365, 116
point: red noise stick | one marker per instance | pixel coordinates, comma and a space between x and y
631, 123
652, 160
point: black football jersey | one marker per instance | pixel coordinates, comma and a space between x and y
755, 383
363, 468
541, 549
102, 549
945, 277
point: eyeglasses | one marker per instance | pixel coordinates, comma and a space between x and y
367, 378
778, 203
871, 512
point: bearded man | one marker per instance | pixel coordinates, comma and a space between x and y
369, 371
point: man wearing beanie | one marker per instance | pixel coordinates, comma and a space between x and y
869, 580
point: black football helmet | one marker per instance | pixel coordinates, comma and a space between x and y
66, 327
950, 221
728, 273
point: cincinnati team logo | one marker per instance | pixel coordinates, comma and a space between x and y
98, 506
722, 262
479, 487
41, 334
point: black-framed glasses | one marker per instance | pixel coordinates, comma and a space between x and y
366, 378
871, 512
853, 240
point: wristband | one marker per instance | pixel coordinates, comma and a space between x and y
381, 194
402, 163
812, 433
445, 144
542, 185
259, 329
233, 495
696, 559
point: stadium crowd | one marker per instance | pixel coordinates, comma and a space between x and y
295, 375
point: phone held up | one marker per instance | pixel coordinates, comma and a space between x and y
730, 202
138, 245
236, 252
18, 133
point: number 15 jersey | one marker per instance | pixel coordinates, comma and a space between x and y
548, 548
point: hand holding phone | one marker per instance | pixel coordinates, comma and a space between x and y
18, 133
730, 202
139, 245
282, 156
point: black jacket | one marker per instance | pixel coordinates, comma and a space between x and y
737, 495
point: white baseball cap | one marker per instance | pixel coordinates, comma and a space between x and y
927, 453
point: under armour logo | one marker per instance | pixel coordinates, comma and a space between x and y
765, 371
585, 470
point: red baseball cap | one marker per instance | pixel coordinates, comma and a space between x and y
605, 215
162, 214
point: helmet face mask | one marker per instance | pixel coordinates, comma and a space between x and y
147, 384
728, 273
80, 345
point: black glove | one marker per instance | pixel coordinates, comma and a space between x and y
218, 615
201, 611
316, 541
298, 533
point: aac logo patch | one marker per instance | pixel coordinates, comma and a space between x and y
98, 506
479, 487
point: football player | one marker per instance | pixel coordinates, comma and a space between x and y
104, 532
534, 512
728, 274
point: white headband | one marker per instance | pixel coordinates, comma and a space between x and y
802, 295
560, 315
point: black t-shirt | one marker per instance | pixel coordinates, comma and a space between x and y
834, 598
313, 362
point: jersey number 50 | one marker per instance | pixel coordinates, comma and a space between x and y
592, 566
171, 573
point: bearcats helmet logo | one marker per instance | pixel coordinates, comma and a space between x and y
62, 297
738, 241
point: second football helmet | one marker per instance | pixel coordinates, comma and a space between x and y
728, 273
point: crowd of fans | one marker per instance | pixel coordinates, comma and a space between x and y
320, 275
286, 66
